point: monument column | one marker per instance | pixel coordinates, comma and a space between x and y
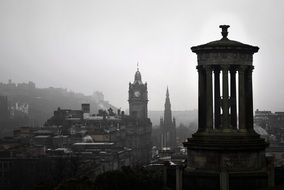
201, 99
232, 153
209, 98
233, 98
225, 99
217, 96
242, 102
249, 98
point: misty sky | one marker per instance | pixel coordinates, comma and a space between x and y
88, 46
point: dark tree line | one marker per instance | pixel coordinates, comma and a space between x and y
127, 178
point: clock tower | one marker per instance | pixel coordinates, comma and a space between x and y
138, 97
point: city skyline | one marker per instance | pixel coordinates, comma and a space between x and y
95, 46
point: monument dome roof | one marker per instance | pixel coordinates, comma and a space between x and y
225, 44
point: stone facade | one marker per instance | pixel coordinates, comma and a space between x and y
140, 140
138, 98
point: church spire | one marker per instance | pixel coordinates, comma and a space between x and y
168, 102
167, 93
168, 125
168, 111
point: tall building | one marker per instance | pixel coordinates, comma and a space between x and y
4, 109
168, 126
138, 97
139, 135
226, 152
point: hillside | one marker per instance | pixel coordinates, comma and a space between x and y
39, 103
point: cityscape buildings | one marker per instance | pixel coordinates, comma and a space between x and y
231, 149
104, 141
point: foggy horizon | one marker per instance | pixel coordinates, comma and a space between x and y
91, 46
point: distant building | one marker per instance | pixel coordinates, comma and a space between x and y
86, 108
98, 96
95, 143
168, 126
65, 117
4, 109
130, 131
262, 118
139, 135
273, 123
138, 98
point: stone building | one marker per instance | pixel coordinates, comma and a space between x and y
138, 98
4, 109
168, 126
226, 152
273, 123
139, 134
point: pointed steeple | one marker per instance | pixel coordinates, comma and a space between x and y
168, 102
168, 111
168, 126
167, 93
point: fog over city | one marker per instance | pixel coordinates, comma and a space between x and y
88, 46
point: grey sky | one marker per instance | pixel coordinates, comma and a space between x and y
94, 45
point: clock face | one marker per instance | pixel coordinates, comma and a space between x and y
137, 94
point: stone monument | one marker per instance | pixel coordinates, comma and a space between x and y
225, 152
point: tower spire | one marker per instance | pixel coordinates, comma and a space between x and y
167, 93
168, 124
137, 65
137, 77
168, 111
138, 97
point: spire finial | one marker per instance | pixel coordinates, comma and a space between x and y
137, 74
224, 30
137, 65
167, 93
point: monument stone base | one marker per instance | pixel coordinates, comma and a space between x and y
234, 159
